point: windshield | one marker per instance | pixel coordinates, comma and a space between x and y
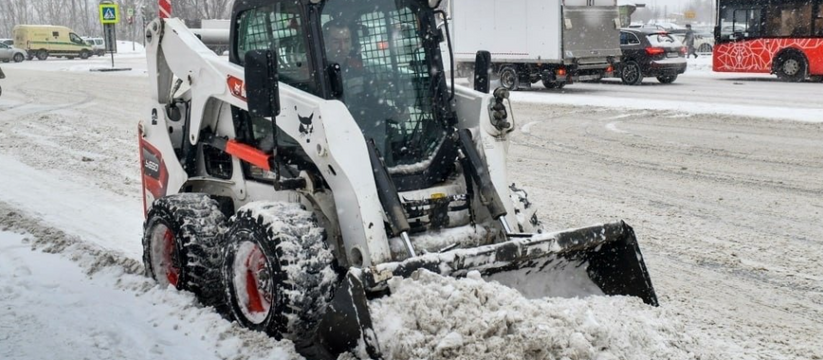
662, 40
387, 82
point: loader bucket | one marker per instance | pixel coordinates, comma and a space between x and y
597, 260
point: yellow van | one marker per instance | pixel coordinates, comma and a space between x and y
41, 41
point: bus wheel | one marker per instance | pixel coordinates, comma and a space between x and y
791, 67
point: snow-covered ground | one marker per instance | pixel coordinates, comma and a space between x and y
726, 208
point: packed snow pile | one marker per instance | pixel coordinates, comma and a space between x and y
435, 317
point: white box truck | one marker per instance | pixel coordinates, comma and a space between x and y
556, 42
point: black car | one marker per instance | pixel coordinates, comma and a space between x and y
650, 52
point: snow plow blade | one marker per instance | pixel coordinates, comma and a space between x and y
602, 259
597, 260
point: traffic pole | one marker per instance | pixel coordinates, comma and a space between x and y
165, 9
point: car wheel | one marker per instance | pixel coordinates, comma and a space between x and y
667, 79
509, 79
791, 67
6, 60
705, 48
84, 55
18, 57
42, 55
630, 73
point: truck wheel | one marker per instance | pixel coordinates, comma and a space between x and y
791, 67
553, 85
509, 78
70, 57
84, 54
278, 273
18, 57
181, 245
667, 79
42, 55
630, 73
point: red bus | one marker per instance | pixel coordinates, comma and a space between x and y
783, 37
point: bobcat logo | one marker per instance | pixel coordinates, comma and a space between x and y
306, 126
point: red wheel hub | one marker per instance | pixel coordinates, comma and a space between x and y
171, 268
252, 282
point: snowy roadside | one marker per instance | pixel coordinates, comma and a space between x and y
64, 298
94, 279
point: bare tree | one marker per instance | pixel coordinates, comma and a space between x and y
82, 16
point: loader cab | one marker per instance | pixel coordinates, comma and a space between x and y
381, 58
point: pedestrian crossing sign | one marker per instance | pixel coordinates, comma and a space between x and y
109, 14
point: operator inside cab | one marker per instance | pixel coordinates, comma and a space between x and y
376, 110
381, 87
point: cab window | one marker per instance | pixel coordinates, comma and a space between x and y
628, 39
278, 27
76, 39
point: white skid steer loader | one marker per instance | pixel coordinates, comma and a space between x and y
328, 154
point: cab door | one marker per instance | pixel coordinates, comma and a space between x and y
5, 52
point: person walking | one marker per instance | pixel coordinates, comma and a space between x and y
690, 41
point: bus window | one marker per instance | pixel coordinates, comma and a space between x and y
789, 18
743, 22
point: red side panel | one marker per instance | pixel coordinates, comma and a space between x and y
155, 176
755, 56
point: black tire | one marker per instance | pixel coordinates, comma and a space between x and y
276, 254
194, 222
667, 79
84, 54
630, 73
5, 61
70, 57
705, 48
18, 57
791, 67
509, 79
552, 84
42, 54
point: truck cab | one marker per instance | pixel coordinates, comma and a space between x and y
555, 42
